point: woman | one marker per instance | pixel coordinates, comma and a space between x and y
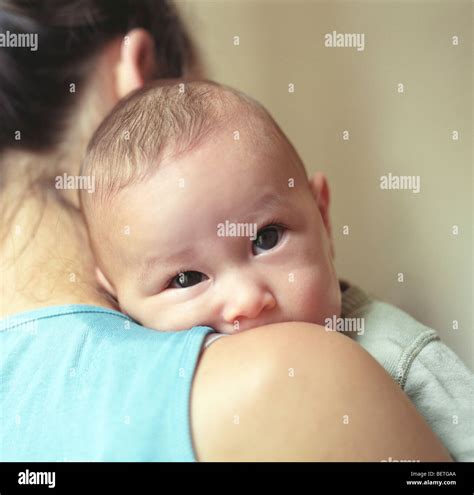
80, 381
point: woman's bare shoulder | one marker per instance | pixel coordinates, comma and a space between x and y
293, 391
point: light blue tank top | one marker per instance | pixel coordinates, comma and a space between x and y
84, 383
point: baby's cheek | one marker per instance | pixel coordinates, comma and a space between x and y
171, 319
313, 296
149, 312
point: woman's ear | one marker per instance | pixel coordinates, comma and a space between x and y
320, 191
137, 61
104, 282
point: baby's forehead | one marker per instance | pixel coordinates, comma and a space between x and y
186, 202
235, 160
220, 172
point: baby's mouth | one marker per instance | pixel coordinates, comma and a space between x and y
239, 327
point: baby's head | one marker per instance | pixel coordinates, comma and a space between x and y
203, 213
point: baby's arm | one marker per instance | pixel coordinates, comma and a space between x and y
442, 389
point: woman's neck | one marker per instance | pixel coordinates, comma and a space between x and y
44, 249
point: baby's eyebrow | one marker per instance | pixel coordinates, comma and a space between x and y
269, 200
165, 262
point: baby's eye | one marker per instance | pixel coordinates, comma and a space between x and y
186, 279
268, 237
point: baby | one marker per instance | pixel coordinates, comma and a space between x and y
203, 215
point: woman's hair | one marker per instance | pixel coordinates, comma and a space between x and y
35, 84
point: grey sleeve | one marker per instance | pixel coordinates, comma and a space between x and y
442, 389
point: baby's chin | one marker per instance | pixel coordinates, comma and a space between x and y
250, 325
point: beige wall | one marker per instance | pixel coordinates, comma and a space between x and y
408, 133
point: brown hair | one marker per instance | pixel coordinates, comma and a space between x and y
163, 117
34, 85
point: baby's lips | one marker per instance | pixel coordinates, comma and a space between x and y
247, 325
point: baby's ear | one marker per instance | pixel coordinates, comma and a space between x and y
320, 190
104, 282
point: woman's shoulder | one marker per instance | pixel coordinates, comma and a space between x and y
294, 391
247, 383
67, 363
95, 330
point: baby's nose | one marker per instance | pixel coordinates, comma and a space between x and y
248, 301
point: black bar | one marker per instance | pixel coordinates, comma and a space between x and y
160, 477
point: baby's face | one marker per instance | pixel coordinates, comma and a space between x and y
188, 262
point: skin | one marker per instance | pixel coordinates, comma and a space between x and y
311, 395
240, 283
279, 419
